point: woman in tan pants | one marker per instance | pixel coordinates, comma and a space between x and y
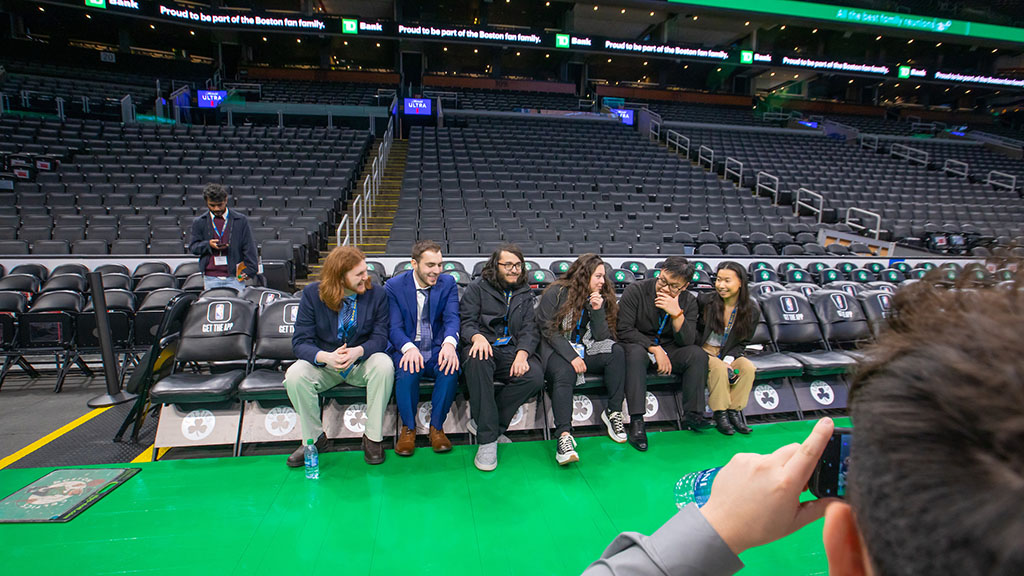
728, 319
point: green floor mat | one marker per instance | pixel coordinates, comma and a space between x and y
62, 495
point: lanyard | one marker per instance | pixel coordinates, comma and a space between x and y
508, 309
728, 328
343, 330
657, 339
213, 223
579, 324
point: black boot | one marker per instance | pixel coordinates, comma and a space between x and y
637, 433
298, 458
736, 419
696, 422
722, 423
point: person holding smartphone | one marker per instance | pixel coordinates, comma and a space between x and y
935, 467
223, 241
728, 320
577, 316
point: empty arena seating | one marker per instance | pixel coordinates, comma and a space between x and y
907, 196
136, 189
332, 93
560, 187
507, 101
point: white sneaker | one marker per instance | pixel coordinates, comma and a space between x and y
613, 421
566, 452
486, 457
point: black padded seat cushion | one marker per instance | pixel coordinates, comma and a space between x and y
776, 365
824, 362
263, 384
196, 388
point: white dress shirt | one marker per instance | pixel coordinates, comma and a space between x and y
421, 301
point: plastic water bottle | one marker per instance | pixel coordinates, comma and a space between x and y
312, 458
695, 487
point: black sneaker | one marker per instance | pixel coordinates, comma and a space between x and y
566, 452
616, 429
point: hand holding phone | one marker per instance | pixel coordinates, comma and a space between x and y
829, 478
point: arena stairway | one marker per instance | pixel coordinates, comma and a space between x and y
379, 225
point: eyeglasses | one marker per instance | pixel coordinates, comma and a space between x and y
663, 283
511, 266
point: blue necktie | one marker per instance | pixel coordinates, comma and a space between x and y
346, 318
426, 334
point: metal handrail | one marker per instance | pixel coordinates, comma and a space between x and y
762, 184
734, 172
861, 227
348, 231
4, 103
912, 155
869, 141
655, 132
799, 203
1012, 186
956, 168
673, 138
702, 157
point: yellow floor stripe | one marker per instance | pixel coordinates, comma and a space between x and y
147, 455
51, 437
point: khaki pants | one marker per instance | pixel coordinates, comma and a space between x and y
726, 395
305, 382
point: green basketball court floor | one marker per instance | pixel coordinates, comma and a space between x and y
428, 514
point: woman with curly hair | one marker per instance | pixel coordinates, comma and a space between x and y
577, 321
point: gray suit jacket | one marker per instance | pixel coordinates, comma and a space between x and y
686, 544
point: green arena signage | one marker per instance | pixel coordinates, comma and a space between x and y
861, 16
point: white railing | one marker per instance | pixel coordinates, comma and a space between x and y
1002, 180
655, 133
912, 155
677, 142
817, 208
734, 167
955, 168
876, 231
870, 142
362, 206
127, 109
767, 182
706, 154
344, 224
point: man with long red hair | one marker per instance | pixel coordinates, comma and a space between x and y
341, 334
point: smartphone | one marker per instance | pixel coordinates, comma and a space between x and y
830, 475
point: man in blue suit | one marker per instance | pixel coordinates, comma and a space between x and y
424, 333
341, 335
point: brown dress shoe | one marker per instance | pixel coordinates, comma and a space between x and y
373, 452
439, 441
406, 442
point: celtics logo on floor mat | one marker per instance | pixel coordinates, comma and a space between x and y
651, 407
355, 418
766, 397
62, 494
582, 408
281, 420
423, 414
520, 412
198, 424
822, 392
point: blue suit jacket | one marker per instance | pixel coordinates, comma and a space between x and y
316, 325
444, 311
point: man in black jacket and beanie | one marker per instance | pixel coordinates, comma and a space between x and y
657, 326
500, 338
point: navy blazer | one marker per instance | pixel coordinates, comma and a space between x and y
443, 307
241, 247
316, 325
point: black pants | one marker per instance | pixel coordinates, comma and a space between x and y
562, 377
494, 406
690, 363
